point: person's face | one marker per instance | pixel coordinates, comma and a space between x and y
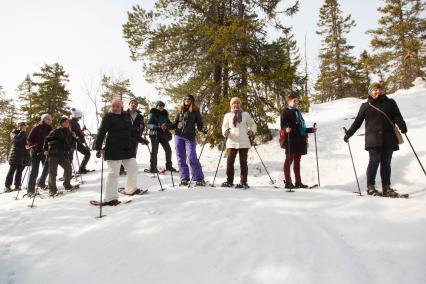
160, 107
293, 102
377, 92
48, 121
133, 106
116, 107
65, 124
187, 101
22, 127
236, 105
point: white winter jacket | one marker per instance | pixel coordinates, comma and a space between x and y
238, 137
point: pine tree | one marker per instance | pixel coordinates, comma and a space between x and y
51, 93
26, 93
215, 49
336, 62
398, 40
113, 88
8, 119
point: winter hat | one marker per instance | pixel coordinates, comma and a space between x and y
234, 100
45, 116
191, 97
63, 119
373, 86
134, 100
21, 123
75, 113
159, 103
292, 97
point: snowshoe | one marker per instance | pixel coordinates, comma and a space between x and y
136, 192
288, 185
242, 185
84, 171
72, 187
183, 183
171, 169
371, 190
55, 193
42, 187
200, 183
227, 184
390, 192
155, 171
8, 189
300, 185
113, 202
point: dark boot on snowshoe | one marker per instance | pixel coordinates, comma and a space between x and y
389, 192
200, 183
299, 184
154, 171
7, 189
71, 187
288, 185
371, 190
242, 185
171, 169
113, 202
183, 183
227, 184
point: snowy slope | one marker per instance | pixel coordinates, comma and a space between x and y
212, 235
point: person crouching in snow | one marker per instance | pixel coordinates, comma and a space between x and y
187, 119
294, 126
57, 148
380, 114
238, 127
117, 127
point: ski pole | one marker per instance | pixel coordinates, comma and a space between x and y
412, 148
353, 164
22, 181
102, 186
254, 146
158, 176
78, 162
220, 158
316, 153
173, 181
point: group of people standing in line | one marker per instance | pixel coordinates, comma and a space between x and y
121, 131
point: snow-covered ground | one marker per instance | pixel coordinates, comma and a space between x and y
212, 235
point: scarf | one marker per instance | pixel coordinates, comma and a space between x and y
300, 120
238, 117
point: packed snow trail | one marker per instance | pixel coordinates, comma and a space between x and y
213, 235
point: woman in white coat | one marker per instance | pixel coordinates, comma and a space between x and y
238, 127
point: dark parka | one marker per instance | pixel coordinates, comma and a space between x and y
19, 155
36, 137
155, 120
378, 130
138, 127
118, 131
298, 143
186, 121
59, 143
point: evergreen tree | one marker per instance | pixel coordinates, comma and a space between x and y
114, 89
216, 49
26, 93
398, 40
337, 65
8, 120
51, 94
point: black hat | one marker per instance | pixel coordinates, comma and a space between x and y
63, 119
191, 97
159, 103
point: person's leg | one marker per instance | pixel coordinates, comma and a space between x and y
373, 165
132, 175
181, 158
296, 167
243, 153
53, 170
231, 153
66, 165
196, 170
86, 152
35, 163
18, 175
42, 180
385, 166
111, 183
287, 165
154, 152
168, 151
9, 176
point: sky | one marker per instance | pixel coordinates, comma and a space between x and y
85, 37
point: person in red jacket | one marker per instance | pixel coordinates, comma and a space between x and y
35, 142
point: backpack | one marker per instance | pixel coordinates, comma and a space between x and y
282, 139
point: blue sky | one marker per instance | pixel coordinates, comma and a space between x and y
85, 37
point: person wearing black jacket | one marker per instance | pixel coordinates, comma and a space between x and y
187, 120
158, 122
80, 144
380, 138
18, 157
295, 142
57, 148
116, 129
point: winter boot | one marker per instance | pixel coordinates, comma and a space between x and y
200, 183
371, 190
184, 182
17, 188
227, 184
299, 184
289, 185
389, 192
113, 202
242, 185
171, 169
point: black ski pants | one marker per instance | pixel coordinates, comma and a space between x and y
36, 159
18, 176
379, 156
85, 151
155, 142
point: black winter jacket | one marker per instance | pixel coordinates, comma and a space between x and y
378, 130
75, 127
185, 123
118, 131
155, 119
19, 155
298, 143
59, 142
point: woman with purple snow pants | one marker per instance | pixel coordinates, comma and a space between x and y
187, 119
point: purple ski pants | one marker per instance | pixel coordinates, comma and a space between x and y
185, 149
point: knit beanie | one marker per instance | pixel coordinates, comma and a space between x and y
63, 119
159, 103
373, 86
233, 100
45, 116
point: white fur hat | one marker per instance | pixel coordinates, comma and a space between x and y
75, 113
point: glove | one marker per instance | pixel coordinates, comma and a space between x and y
227, 131
98, 154
250, 133
346, 138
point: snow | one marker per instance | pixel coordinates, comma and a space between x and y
214, 235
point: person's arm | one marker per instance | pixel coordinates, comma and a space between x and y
358, 121
251, 125
53, 135
102, 131
19, 137
31, 137
399, 120
152, 122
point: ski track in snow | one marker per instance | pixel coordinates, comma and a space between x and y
216, 235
